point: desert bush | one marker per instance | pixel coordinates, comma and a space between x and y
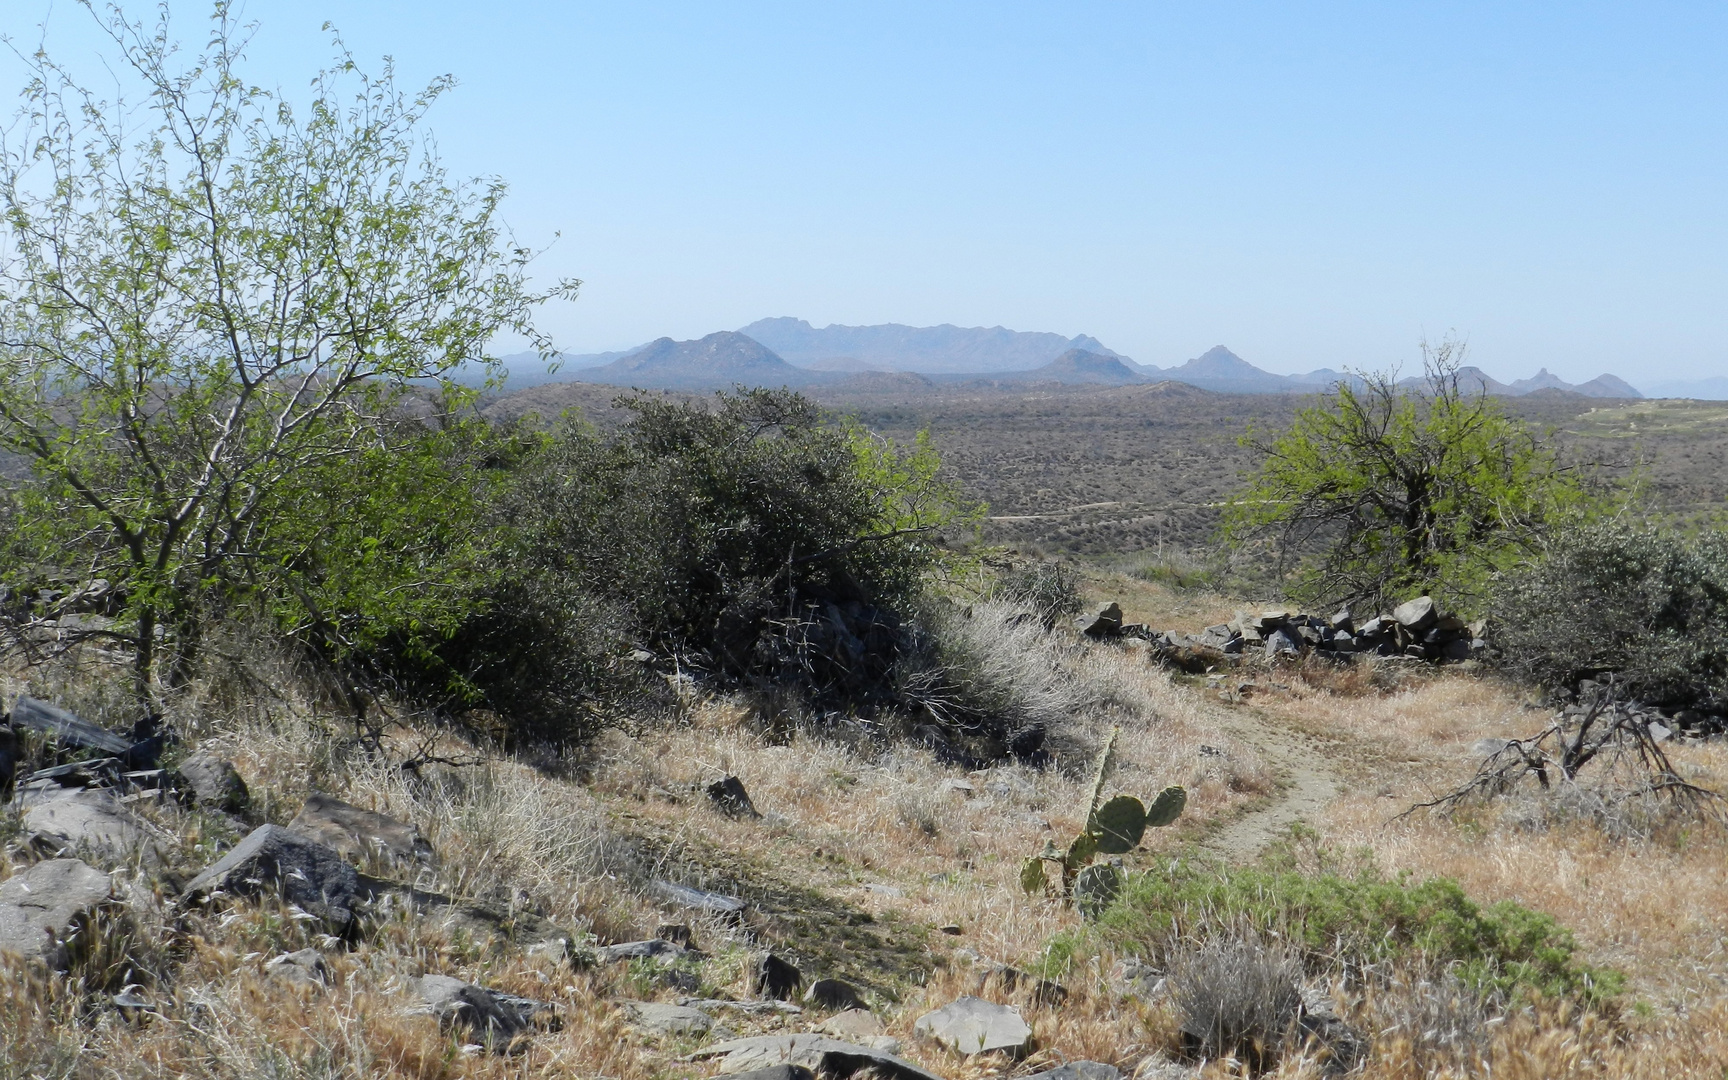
1353, 926
1644, 605
1050, 590
1236, 997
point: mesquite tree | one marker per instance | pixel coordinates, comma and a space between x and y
206, 289
1391, 490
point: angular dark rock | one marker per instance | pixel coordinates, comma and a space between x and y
304, 871
775, 978
833, 994
8, 758
730, 798
1282, 643
1107, 623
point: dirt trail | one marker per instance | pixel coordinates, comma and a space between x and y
1308, 777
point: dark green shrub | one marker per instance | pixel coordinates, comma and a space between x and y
1642, 604
754, 539
1351, 924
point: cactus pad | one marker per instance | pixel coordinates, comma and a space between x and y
1032, 876
1167, 807
1120, 822
1096, 888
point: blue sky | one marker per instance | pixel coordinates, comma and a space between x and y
1310, 184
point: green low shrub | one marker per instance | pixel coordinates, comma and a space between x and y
1344, 924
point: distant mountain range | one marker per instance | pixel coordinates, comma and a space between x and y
791, 352
929, 350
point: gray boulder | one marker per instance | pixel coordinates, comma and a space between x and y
41, 906
777, 1072
1282, 643
93, 822
304, 871
490, 1017
358, 833
971, 1025
855, 1024
214, 782
1417, 615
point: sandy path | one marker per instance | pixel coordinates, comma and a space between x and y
1308, 780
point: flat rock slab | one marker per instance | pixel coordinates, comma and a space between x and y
491, 1017
655, 948
1080, 1070
816, 1052
304, 871
656, 1018
777, 1072
92, 822
971, 1025
40, 906
359, 833
65, 728
702, 900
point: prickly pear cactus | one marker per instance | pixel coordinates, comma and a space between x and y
1115, 827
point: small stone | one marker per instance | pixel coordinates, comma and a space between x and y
215, 783
1107, 623
658, 1019
775, 978
833, 994
304, 966
971, 1025
952, 929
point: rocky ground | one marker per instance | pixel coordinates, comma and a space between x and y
277, 897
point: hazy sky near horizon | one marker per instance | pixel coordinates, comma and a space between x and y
1317, 184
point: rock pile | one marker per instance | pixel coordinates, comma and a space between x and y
1418, 629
